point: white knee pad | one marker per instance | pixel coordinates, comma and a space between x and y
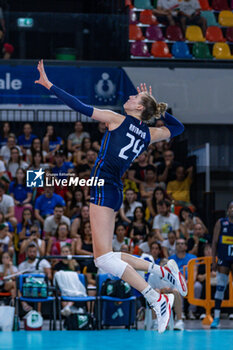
222, 281
111, 263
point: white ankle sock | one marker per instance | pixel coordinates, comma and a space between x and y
150, 295
216, 313
155, 269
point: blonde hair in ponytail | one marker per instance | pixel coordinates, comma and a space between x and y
152, 108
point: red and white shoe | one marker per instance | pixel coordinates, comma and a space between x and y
172, 275
163, 309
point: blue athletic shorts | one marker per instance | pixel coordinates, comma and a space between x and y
226, 262
108, 195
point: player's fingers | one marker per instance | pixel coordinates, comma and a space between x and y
142, 89
36, 81
145, 87
150, 90
138, 89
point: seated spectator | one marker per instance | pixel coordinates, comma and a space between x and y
128, 207
155, 253
165, 221
145, 246
6, 243
35, 147
156, 152
97, 135
61, 167
37, 162
138, 229
198, 240
148, 186
119, 239
51, 222
169, 245
4, 133
2, 169
5, 152
61, 238
166, 11
84, 170
25, 140
15, 162
46, 203
34, 238
84, 246
167, 170
78, 222
182, 258
179, 189
30, 265
21, 194
128, 184
158, 195
7, 206
23, 227
6, 269
51, 142
4, 221
187, 222
201, 276
75, 139
66, 265
79, 156
137, 170
75, 204
190, 13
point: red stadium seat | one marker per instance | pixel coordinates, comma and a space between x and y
139, 49
160, 49
205, 5
229, 34
174, 33
147, 17
220, 5
154, 33
214, 34
129, 3
135, 32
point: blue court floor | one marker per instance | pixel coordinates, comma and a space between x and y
117, 340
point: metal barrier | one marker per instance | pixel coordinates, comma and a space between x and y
206, 303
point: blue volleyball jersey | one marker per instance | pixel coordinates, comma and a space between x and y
225, 241
119, 148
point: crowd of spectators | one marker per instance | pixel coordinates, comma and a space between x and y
156, 217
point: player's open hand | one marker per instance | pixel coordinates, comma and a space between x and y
43, 80
143, 88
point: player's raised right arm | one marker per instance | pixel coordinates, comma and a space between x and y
106, 116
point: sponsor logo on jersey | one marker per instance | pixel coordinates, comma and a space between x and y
227, 240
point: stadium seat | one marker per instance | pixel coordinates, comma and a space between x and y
232, 4
194, 33
154, 33
225, 18
135, 32
229, 34
180, 50
160, 49
210, 18
143, 4
214, 34
205, 5
222, 51
139, 49
132, 17
147, 17
129, 3
219, 5
174, 33
201, 50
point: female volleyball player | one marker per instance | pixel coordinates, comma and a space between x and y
126, 137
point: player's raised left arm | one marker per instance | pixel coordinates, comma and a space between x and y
173, 127
106, 116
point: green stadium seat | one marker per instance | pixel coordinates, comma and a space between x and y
210, 18
143, 4
201, 50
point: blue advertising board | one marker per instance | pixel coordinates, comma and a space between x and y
94, 86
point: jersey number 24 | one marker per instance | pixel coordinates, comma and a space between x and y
132, 144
